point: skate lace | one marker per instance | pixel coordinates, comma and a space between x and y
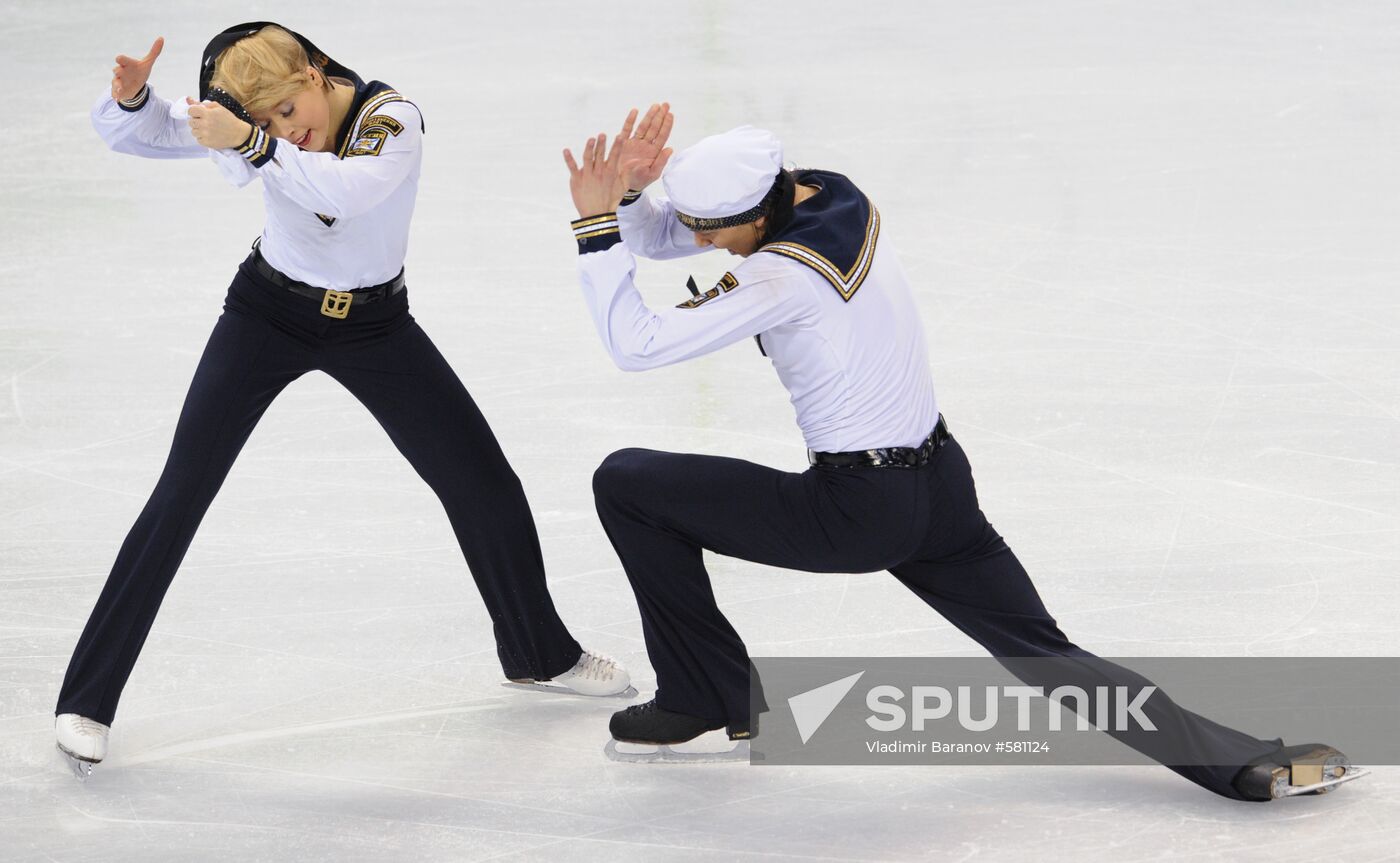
83, 725
596, 666
642, 709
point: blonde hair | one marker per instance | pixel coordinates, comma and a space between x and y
264, 70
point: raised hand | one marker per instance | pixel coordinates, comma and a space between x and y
129, 75
215, 126
644, 153
595, 184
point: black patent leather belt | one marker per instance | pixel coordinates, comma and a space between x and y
895, 456
361, 296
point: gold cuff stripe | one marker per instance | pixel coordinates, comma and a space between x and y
604, 231
138, 100
257, 146
593, 220
593, 226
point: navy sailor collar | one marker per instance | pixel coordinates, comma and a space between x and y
833, 232
375, 93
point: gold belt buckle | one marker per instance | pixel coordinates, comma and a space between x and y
336, 304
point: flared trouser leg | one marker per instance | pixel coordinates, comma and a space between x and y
415, 395
245, 364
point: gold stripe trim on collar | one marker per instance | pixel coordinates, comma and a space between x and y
847, 283
369, 107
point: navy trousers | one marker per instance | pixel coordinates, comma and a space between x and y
266, 338
922, 524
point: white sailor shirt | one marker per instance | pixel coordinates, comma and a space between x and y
334, 220
827, 298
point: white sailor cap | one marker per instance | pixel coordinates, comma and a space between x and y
723, 180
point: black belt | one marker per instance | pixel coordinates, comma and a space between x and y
895, 456
333, 303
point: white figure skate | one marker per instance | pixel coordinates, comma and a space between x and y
81, 741
594, 675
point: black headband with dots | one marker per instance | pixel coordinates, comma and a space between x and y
753, 214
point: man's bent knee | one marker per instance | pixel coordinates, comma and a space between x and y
620, 471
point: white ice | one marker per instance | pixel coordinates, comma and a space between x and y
1155, 250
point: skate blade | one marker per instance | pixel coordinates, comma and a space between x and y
654, 754
556, 689
1347, 774
81, 767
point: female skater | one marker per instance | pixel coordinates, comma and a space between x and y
323, 290
889, 487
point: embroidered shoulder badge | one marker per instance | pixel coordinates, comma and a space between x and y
373, 133
726, 284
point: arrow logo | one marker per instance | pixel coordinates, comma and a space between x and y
811, 708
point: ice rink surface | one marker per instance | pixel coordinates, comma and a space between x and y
1155, 250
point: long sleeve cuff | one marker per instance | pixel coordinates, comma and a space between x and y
631, 197
259, 147
596, 233
137, 102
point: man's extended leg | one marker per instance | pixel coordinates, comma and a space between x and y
969, 575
